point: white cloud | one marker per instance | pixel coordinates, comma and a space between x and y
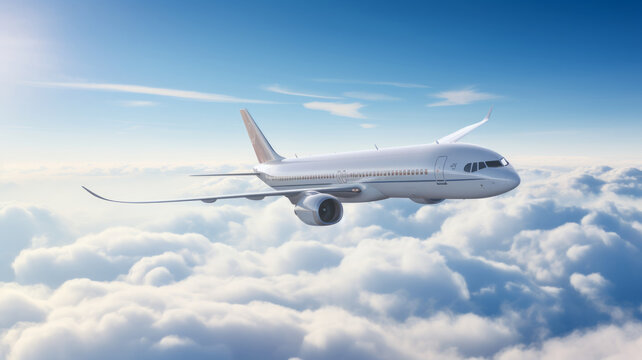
368, 126
279, 90
22, 227
138, 89
461, 97
507, 277
348, 110
370, 96
589, 285
139, 103
605, 342
17, 307
107, 255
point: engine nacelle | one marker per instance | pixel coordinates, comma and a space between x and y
426, 201
319, 209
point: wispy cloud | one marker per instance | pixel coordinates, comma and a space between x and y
138, 89
386, 83
397, 84
368, 126
370, 96
138, 103
279, 90
348, 110
461, 97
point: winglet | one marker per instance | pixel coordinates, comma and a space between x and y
96, 195
489, 112
454, 137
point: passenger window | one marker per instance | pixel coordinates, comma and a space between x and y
467, 167
474, 167
482, 165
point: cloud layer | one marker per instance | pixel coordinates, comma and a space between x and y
547, 271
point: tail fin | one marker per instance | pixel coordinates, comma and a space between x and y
262, 147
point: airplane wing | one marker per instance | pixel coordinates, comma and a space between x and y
343, 189
454, 137
231, 174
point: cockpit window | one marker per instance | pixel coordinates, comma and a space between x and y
472, 167
497, 163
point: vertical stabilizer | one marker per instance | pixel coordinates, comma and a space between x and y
262, 147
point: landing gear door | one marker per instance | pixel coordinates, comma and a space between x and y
440, 166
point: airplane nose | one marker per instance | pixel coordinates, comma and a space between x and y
511, 179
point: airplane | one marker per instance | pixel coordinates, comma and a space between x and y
318, 185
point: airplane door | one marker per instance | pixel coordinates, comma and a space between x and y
440, 165
341, 176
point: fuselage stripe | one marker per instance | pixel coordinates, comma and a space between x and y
375, 182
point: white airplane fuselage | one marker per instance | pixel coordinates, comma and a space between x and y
423, 173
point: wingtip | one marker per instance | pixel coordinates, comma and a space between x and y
490, 111
93, 193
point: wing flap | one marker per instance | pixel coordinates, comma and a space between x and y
454, 137
352, 189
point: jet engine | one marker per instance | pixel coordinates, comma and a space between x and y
319, 209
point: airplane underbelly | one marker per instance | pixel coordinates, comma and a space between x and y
427, 189
368, 193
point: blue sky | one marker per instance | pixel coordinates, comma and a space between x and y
564, 78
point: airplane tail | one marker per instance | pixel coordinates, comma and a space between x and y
262, 147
